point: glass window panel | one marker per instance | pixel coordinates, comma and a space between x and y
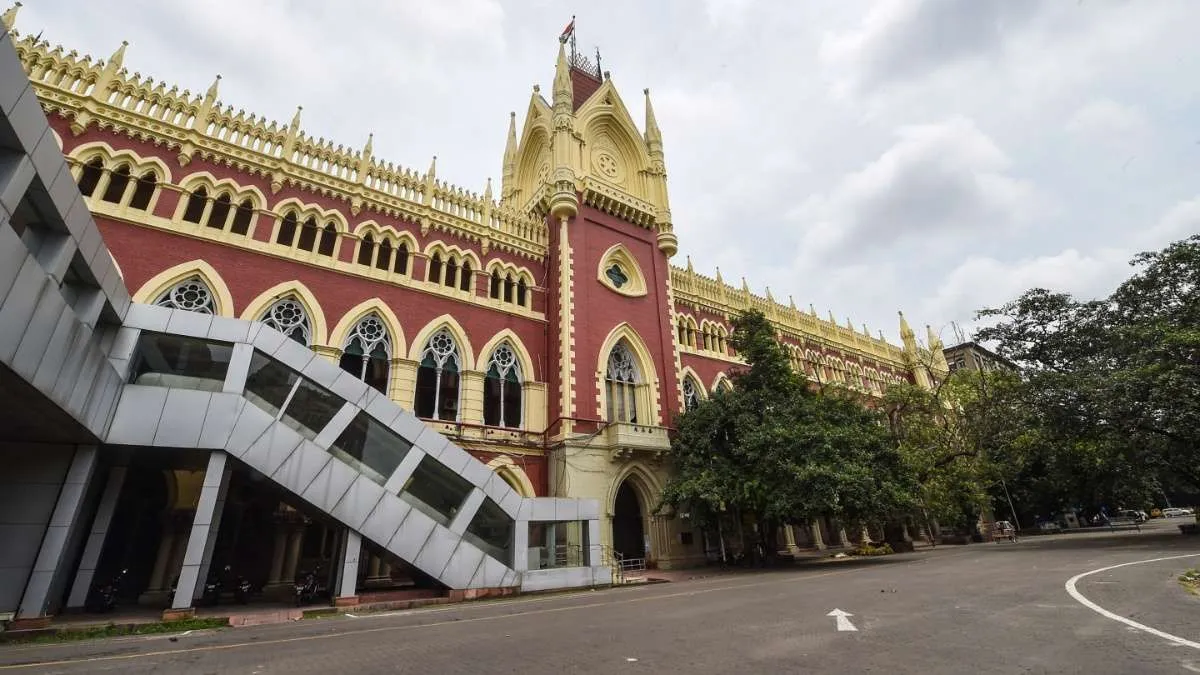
311, 408
372, 447
269, 383
448, 394
492, 530
559, 544
491, 399
512, 403
436, 490
426, 390
175, 361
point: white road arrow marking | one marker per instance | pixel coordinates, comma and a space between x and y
843, 622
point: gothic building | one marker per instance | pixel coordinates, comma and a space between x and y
540, 324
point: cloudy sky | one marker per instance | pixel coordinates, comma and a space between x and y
934, 156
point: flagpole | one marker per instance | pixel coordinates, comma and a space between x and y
572, 38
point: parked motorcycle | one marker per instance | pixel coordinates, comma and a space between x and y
104, 596
241, 587
212, 591
306, 588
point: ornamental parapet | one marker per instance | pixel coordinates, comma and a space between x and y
104, 94
697, 290
628, 440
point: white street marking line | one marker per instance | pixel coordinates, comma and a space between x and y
1070, 586
843, 623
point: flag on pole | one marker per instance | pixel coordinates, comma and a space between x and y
569, 30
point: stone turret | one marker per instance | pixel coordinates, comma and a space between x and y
564, 201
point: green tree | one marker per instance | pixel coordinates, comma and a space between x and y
1113, 384
774, 452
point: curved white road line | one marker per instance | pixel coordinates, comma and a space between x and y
1071, 590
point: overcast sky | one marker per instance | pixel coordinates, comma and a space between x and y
934, 156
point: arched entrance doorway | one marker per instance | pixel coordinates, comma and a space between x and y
629, 533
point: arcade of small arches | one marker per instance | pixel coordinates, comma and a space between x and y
829, 369
708, 336
230, 212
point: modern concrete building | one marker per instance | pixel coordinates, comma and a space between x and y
974, 356
98, 394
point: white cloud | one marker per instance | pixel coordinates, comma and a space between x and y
937, 180
1106, 121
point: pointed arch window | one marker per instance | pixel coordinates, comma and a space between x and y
502, 389
192, 295
195, 205
366, 249
241, 218
691, 394
435, 269
384, 260
367, 353
464, 281
438, 379
144, 191
328, 240
90, 176
308, 234
622, 380
508, 288
494, 291
522, 289
288, 317
287, 230
401, 266
451, 271
117, 184
220, 212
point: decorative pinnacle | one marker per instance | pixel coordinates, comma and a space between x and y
296, 117
689, 264
370, 141
432, 173
653, 135
9, 18
562, 77
118, 57
487, 190
211, 94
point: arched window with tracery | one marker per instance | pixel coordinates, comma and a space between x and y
287, 230
691, 394
89, 176
288, 317
438, 378
308, 234
367, 353
191, 294
434, 274
451, 271
465, 275
494, 290
502, 389
622, 379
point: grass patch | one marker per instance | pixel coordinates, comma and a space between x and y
1190, 580
118, 630
870, 550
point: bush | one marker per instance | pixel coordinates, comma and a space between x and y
869, 549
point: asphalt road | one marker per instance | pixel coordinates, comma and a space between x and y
983, 608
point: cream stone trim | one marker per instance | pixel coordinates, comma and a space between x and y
166, 279
687, 372
341, 330
643, 481
522, 353
215, 186
113, 159
86, 152
566, 325
447, 249
417, 346
648, 390
619, 254
720, 380
513, 474
316, 316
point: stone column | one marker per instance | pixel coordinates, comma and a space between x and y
291, 561
203, 536
95, 541
789, 538
278, 553
818, 542
50, 567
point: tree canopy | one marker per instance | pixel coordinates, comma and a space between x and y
1111, 386
774, 450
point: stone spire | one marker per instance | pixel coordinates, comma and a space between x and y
364, 159
564, 201
210, 96
117, 60
508, 176
109, 73
10, 16
935, 349
653, 134
908, 336
200, 121
487, 190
